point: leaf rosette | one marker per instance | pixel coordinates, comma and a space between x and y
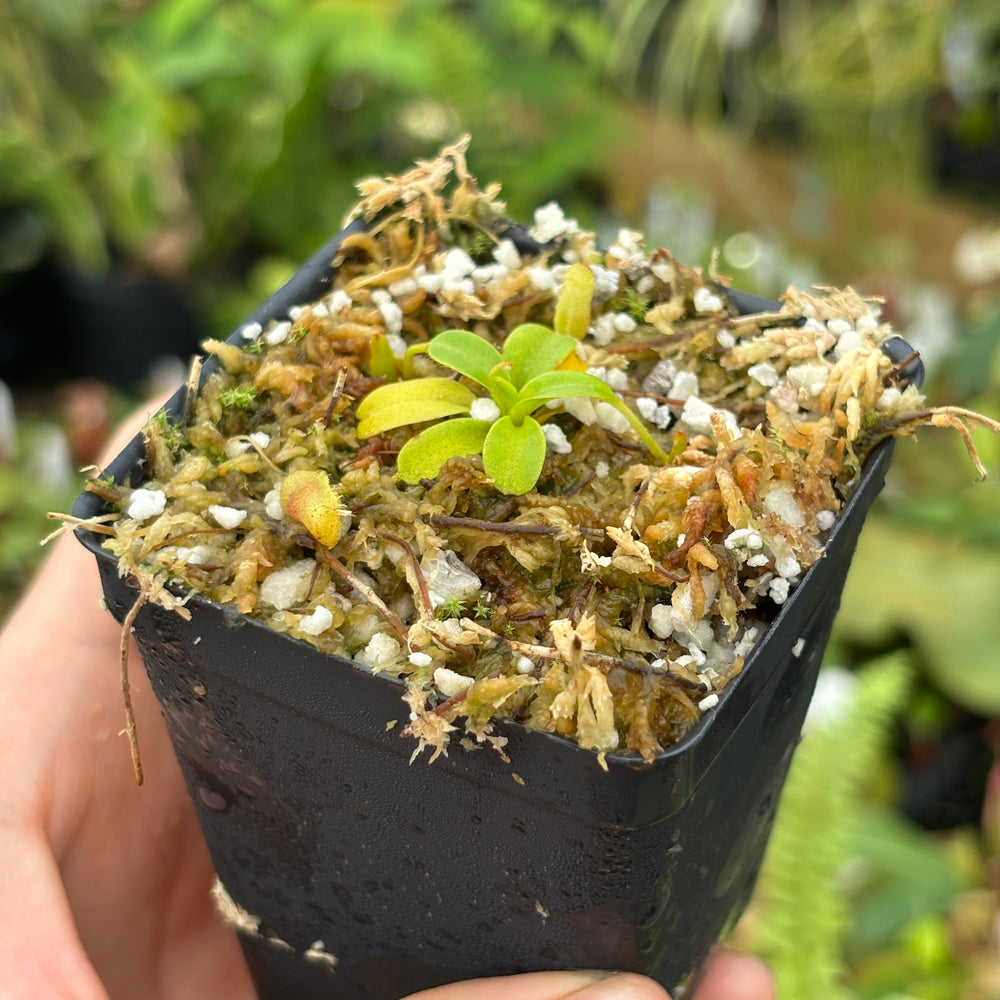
534, 368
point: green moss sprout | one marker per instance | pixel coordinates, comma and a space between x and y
240, 397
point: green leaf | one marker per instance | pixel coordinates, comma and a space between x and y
552, 385
400, 403
466, 353
422, 457
940, 592
513, 455
906, 874
555, 385
423, 388
533, 349
383, 361
503, 392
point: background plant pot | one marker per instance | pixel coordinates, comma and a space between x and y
415, 875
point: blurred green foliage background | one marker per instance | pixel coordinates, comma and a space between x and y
205, 148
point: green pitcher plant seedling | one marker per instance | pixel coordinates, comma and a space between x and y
520, 379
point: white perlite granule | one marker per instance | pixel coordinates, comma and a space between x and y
227, 517
507, 254
556, 440
339, 301
484, 409
825, 520
450, 683
318, 622
381, 650
449, 578
781, 501
610, 418
705, 302
697, 414
194, 555
550, 223
765, 374
661, 621
146, 503
272, 504
278, 333
778, 591
287, 586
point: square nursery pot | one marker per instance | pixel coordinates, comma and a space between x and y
361, 875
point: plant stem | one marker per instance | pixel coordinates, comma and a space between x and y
130, 728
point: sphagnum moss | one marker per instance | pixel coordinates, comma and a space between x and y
622, 587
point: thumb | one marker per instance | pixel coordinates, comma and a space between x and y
570, 985
40, 952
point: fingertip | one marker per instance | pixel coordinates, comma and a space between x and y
578, 984
621, 986
731, 974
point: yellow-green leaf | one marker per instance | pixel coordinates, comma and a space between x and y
383, 361
308, 497
466, 353
422, 457
513, 455
400, 403
533, 349
573, 308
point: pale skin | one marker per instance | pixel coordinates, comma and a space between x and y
104, 886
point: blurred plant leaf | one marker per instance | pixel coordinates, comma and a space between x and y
903, 873
802, 911
972, 364
940, 591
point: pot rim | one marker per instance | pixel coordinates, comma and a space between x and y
308, 284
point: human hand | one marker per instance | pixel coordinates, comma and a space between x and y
728, 975
104, 886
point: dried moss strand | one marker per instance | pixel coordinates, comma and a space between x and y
580, 602
506, 528
427, 606
392, 274
191, 387
100, 524
130, 727
956, 417
103, 488
365, 242
338, 391
362, 588
589, 656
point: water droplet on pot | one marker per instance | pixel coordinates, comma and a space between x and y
212, 799
231, 617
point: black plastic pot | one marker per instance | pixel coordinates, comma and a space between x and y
416, 875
